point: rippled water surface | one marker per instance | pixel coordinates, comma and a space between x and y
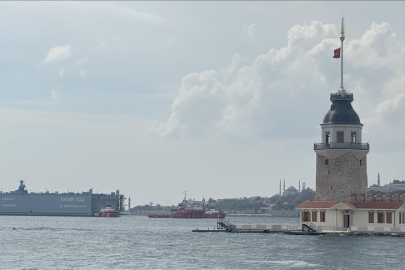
137, 242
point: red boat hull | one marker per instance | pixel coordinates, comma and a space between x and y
197, 214
112, 213
186, 213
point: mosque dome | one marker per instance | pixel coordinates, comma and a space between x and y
290, 191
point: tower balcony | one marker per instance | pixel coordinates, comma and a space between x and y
344, 145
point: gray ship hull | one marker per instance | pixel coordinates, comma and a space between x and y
84, 204
46, 204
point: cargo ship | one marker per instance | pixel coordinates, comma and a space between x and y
23, 203
189, 209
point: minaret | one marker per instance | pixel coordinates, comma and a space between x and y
280, 187
284, 186
299, 185
341, 164
378, 180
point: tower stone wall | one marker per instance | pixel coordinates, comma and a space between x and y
337, 179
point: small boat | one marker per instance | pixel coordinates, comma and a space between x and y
212, 213
107, 211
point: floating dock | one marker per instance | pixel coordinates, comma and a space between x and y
224, 225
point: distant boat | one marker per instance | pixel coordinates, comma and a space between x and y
189, 209
107, 211
212, 213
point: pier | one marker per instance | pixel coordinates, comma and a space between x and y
223, 225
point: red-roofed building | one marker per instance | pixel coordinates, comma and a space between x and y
358, 216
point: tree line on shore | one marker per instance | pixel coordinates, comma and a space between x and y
276, 202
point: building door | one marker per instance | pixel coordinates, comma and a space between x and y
346, 221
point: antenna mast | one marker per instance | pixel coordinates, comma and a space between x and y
342, 38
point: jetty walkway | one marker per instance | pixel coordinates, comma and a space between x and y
223, 225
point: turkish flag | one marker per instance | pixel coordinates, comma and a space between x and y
336, 53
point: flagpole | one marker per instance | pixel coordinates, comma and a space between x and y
342, 38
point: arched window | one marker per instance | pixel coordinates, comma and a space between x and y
326, 162
314, 215
322, 216
388, 217
370, 216
306, 215
380, 217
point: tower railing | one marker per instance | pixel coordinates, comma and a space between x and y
345, 145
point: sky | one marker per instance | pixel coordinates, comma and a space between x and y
219, 99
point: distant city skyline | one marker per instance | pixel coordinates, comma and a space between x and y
222, 99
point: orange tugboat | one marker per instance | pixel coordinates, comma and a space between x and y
187, 209
107, 211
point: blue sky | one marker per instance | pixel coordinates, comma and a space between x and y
221, 99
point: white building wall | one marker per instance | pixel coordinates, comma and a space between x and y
329, 219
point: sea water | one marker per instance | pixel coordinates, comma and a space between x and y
138, 242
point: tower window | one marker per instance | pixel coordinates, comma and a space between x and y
326, 162
328, 172
330, 187
340, 136
353, 137
360, 162
327, 137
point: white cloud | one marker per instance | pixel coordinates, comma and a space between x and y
83, 72
56, 94
81, 62
58, 53
250, 30
126, 11
285, 92
61, 72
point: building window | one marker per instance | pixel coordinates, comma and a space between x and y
327, 137
328, 172
388, 217
314, 215
380, 217
322, 216
339, 137
371, 217
306, 216
326, 162
360, 162
353, 137
401, 218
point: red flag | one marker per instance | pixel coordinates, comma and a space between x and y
336, 53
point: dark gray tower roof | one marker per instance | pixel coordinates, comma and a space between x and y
341, 110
